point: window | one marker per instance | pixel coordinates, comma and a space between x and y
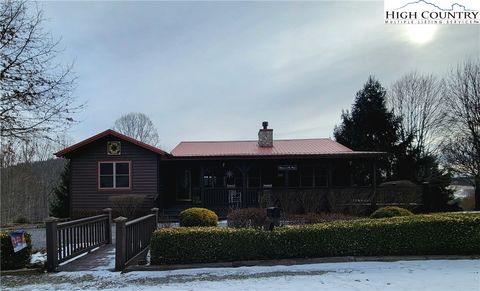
361, 174
221, 177
321, 177
341, 174
209, 181
307, 176
287, 176
114, 175
280, 179
316, 177
254, 178
293, 178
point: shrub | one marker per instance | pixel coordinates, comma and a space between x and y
390, 211
11, 260
412, 235
21, 220
468, 203
247, 217
198, 217
312, 218
127, 205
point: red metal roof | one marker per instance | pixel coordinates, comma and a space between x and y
87, 141
322, 146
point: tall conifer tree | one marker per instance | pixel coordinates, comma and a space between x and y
370, 126
60, 204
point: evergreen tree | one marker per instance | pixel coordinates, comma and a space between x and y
370, 126
60, 204
437, 195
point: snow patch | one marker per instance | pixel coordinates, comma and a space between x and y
38, 258
402, 275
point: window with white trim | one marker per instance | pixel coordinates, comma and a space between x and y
114, 175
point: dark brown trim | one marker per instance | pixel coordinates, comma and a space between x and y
116, 189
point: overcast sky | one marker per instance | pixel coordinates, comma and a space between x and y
216, 70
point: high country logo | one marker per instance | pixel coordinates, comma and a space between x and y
432, 11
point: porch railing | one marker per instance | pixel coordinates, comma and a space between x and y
346, 196
66, 240
224, 197
133, 238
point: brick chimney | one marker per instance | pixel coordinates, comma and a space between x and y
265, 136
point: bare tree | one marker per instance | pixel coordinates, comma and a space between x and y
418, 99
36, 91
138, 126
30, 149
462, 145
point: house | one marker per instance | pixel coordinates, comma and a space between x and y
320, 173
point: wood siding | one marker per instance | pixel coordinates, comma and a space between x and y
85, 195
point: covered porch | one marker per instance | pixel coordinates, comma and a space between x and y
226, 183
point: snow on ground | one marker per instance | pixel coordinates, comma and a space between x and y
402, 275
111, 262
38, 258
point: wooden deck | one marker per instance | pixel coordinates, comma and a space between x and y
102, 259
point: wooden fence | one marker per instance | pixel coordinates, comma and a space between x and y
66, 240
133, 238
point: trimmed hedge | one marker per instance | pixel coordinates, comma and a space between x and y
390, 211
412, 235
198, 217
11, 260
313, 218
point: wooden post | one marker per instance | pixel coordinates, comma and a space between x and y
155, 211
374, 196
244, 171
120, 243
108, 230
52, 243
202, 191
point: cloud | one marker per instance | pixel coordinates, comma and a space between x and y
215, 70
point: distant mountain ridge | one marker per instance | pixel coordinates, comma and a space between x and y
436, 6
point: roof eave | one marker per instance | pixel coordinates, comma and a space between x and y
300, 156
68, 150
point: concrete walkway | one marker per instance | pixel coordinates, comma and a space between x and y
102, 259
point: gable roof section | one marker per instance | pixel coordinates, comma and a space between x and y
105, 133
293, 147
